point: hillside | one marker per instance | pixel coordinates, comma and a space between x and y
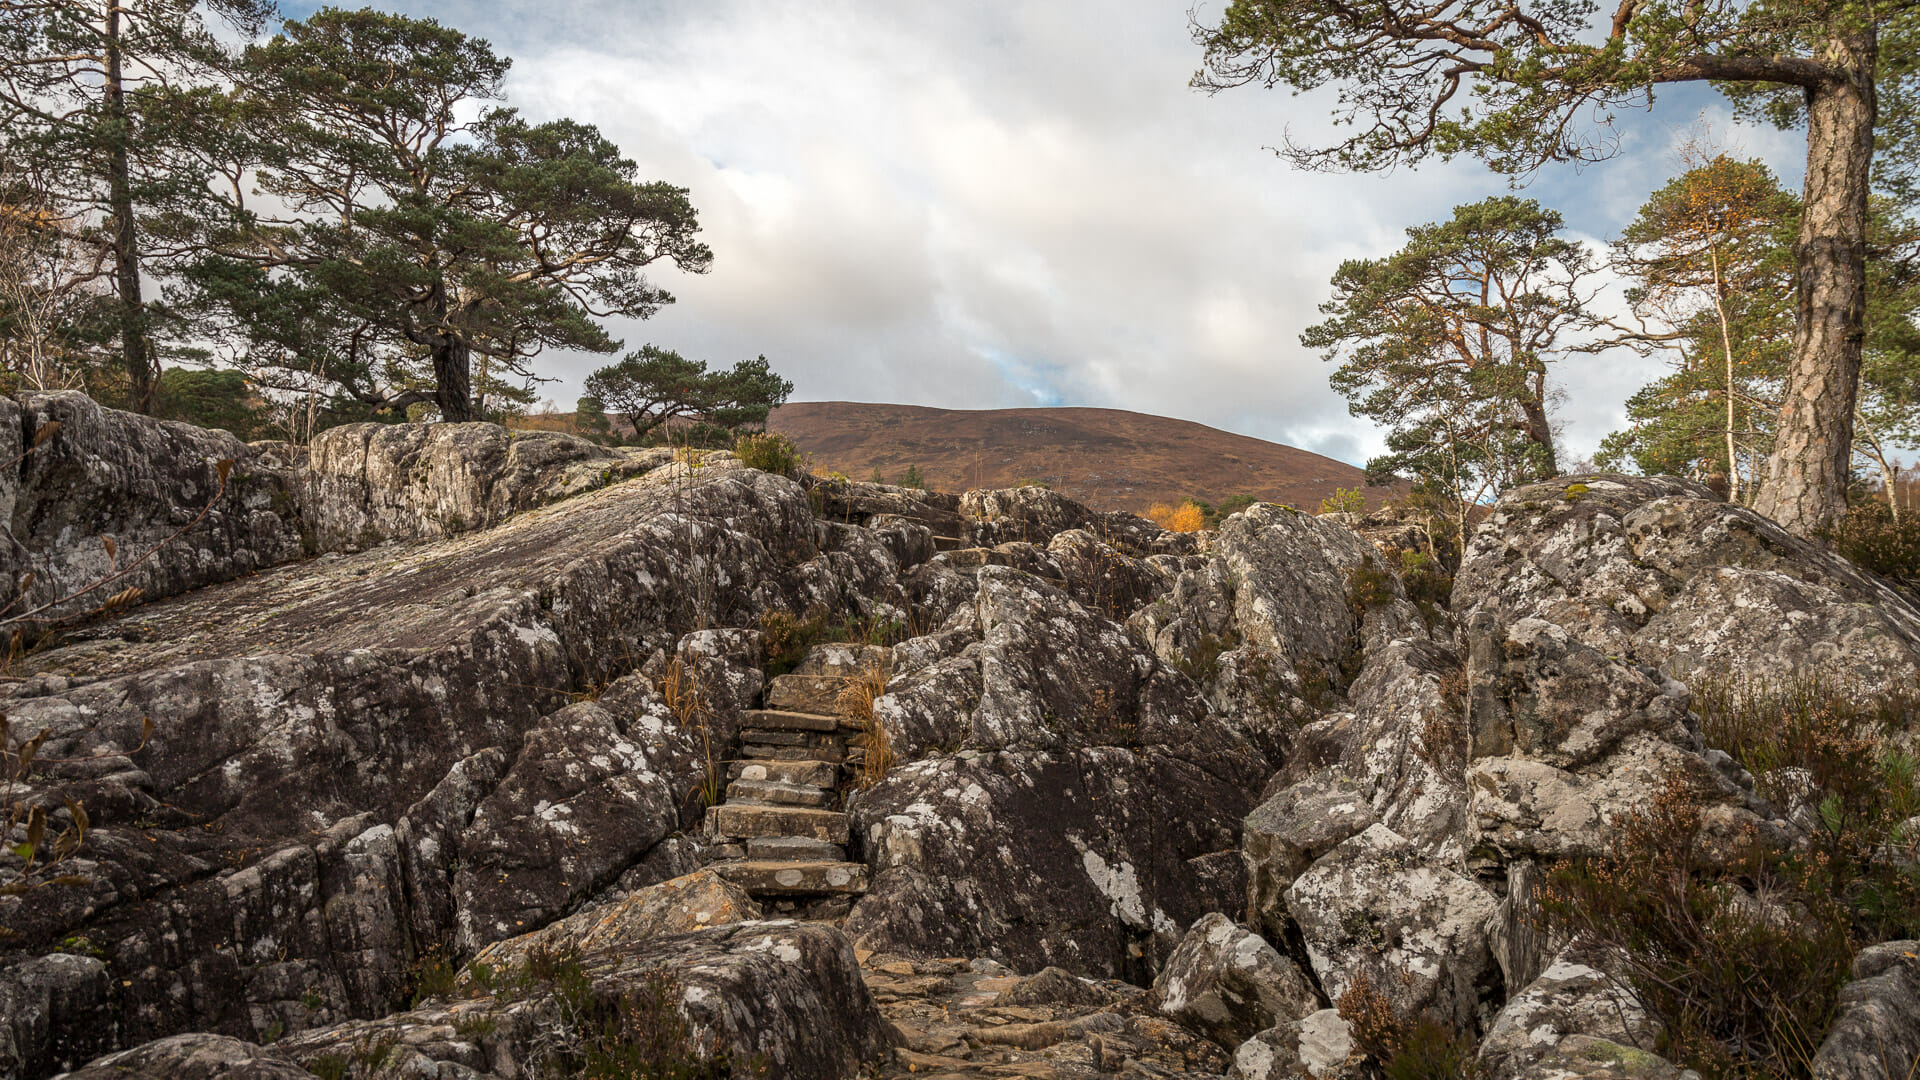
1106, 458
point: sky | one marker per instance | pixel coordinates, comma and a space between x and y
998, 204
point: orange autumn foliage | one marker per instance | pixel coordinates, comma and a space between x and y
1187, 517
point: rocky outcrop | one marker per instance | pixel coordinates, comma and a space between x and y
96, 501
1661, 571
1084, 813
367, 484
782, 997
488, 759
340, 747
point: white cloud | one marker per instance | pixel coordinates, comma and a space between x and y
1002, 203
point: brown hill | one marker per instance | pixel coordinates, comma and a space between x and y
1106, 458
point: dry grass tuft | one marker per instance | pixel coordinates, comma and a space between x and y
856, 703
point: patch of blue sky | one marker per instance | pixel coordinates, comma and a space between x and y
1033, 379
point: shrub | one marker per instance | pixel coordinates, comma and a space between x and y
1870, 538
1427, 583
1369, 586
1743, 963
787, 638
1402, 1047
913, 478
1189, 516
1344, 501
768, 451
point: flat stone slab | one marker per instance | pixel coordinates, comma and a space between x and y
764, 753
750, 821
793, 849
784, 720
779, 793
821, 774
762, 737
784, 878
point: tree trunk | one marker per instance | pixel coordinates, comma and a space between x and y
1806, 487
126, 256
1540, 432
452, 378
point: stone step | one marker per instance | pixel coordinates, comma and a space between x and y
793, 849
764, 737
785, 720
748, 821
775, 792
780, 878
821, 774
759, 753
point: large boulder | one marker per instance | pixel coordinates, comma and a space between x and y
1371, 911
366, 484
1228, 983
1318, 1046
99, 501
1581, 993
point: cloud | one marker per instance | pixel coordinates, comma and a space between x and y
1002, 203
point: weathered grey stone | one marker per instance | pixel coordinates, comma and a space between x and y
194, 1056
825, 673
1660, 571
1285, 834
698, 901
367, 484
1318, 1046
591, 791
787, 994
110, 477
1416, 933
1580, 993
294, 835
55, 1012
1067, 832
1876, 1029
1227, 983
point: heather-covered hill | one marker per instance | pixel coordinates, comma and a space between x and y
1106, 458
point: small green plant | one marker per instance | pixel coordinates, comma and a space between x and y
1369, 586
768, 451
1344, 501
1575, 492
433, 975
1428, 584
913, 478
1033, 481
1201, 663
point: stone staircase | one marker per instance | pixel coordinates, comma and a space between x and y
781, 834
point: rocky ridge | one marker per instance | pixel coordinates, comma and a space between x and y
441, 749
